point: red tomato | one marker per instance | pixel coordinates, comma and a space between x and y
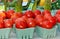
19, 19
46, 16
8, 23
31, 22
46, 24
9, 13
15, 16
20, 24
29, 14
1, 20
53, 20
19, 14
37, 12
46, 12
25, 17
1, 23
57, 15
3, 15
39, 19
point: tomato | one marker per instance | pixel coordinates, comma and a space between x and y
15, 16
53, 20
39, 19
57, 15
1, 23
20, 24
29, 14
8, 23
19, 14
46, 16
19, 19
46, 24
9, 13
31, 22
46, 12
25, 17
3, 15
37, 12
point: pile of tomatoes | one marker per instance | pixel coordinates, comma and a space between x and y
28, 19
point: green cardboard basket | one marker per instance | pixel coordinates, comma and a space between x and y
58, 24
4, 33
25, 33
46, 33
14, 30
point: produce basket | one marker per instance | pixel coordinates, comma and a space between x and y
4, 33
25, 33
46, 33
14, 30
58, 26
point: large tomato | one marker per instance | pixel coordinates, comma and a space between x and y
29, 14
9, 13
46, 12
3, 15
37, 12
24, 17
1, 23
20, 24
39, 19
8, 23
19, 14
57, 15
15, 16
52, 20
46, 24
31, 22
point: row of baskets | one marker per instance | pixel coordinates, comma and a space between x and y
29, 32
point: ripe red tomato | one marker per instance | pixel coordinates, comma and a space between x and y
46, 12
9, 13
29, 14
15, 16
37, 12
25, 17
19, 14
39, 19
8, 23
31, 22
46, 24
3, 15
20, 24
19, 19
1, 23
53, 20
57, 15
